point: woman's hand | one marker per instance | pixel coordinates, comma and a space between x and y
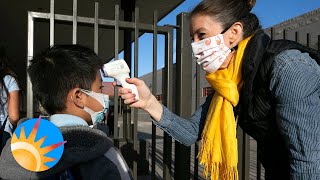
129, 97
146, 102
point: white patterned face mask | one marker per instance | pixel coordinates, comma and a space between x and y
97, 117
211, 52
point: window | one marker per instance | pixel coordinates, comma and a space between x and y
206, 91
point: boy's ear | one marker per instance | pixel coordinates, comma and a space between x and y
78, 97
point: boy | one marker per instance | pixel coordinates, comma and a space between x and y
67, 82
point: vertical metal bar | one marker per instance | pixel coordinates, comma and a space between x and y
128, 9
244, 154
167, 92
183, 89
318, 42
51, 22
135, 112
124, 122
116, 51
297, 36
284, 34
29, 57
258, 165
120, 108
308, 40
197, 104
96, 27
74, 22
196, 145
128, 114
272, 33
154, 91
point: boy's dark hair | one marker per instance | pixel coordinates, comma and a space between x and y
60, 68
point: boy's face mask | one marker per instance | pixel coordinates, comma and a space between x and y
103, 99
211, 52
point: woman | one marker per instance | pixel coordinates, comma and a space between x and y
9, 96
273, 87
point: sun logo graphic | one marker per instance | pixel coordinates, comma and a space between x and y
37, 145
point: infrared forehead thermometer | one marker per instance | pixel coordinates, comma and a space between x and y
119, 70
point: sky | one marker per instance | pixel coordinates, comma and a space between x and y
270, 12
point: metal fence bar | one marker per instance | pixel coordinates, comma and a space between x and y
96, 27
51, 22
308, 40
297, 36
284, 34
116, 51
318, 42
271, 33
244, 154
148, 28
258, 165
197, 104
125, 121
74, 23
29, 57
135, 112
167, 92
116, 24
183, 90
154, 91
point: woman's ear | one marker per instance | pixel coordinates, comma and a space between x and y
78, 97
235, 34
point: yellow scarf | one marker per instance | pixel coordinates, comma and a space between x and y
219, 149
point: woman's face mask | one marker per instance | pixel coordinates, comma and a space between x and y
211, 52
103, 99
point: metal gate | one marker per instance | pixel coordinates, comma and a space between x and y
182, 105
115, 24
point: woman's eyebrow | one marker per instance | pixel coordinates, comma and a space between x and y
197, 31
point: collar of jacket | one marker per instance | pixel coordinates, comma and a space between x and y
257, 61
252, 59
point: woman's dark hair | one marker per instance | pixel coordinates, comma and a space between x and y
5, 70
228, 12
59, 69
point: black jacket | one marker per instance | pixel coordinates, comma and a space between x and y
256, 108
88, 154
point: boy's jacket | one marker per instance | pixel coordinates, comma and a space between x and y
88, 154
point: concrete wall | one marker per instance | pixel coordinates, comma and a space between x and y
306, 23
